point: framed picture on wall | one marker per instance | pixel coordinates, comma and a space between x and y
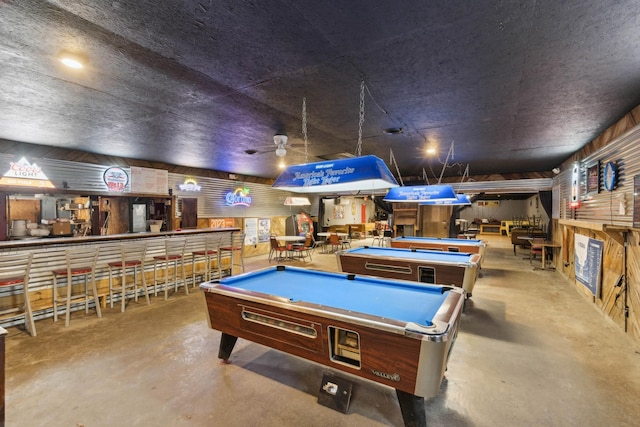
593, 178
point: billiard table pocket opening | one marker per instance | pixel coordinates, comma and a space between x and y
344, 346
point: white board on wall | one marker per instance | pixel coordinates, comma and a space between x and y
149, 181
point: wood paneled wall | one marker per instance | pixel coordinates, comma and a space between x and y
620, 286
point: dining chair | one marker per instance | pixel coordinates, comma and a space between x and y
536, 248
277, 250
318, 244
304, 250
334, 242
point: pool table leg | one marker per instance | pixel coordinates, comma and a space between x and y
412, 408
227, 342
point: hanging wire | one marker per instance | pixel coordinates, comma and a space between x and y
446, 160
448, 163
424, 176
360, 119
392, 160
304, 129
465, 174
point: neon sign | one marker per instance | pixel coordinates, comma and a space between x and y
238, 197
189, 184
25, 174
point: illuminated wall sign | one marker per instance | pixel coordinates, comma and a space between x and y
24, 174
238, 197
116, 179
189, 184
575, 186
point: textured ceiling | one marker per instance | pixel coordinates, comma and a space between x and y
512, 86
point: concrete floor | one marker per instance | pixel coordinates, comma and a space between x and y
531, 352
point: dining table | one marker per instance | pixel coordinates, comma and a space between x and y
291, 238
327, 233
551, 246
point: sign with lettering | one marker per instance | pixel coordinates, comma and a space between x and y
420, 193
116, 179
588, 262
354, 174
221, 222
24, 174
239, 197
189, 184
149, 181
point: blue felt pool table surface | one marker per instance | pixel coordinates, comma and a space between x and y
414, 254
392, 299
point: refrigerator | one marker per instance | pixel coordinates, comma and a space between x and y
138, 217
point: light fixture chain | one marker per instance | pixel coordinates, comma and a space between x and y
304, 128
360, 120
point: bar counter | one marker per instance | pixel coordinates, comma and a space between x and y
49, 241
48, 255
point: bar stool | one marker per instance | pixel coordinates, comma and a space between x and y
132, 257
236, 245
14, 272
80, 263
208, 254
173, 254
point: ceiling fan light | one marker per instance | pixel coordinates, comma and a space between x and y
280, 140
281, 151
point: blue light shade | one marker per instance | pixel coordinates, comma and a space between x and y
462, 199
337, 176
421, 193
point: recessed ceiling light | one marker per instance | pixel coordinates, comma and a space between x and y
71, 60
392, 131
431, 150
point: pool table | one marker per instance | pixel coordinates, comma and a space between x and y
472, 246
420, 265
394, 332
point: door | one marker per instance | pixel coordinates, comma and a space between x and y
435, 221
189, 213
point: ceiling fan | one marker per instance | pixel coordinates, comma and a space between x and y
280, 146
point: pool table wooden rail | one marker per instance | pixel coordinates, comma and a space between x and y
455, 274
440, 244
